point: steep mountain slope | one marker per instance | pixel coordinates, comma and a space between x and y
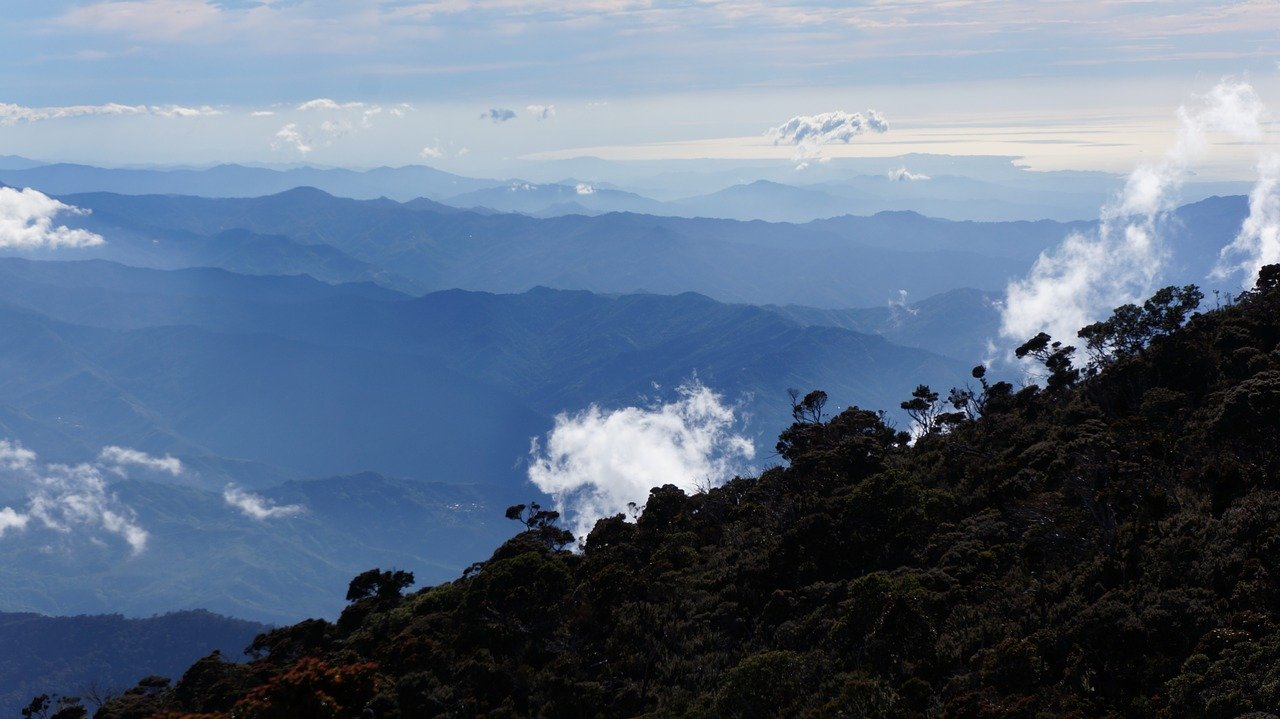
1100, 546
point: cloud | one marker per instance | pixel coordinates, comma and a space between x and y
67, 498
498, 114
541, 112
1090, 274
595, 462
13, 114
262, 113
14, 457
179, 111
256, 507
826, 128
902, 174
26, 222
291, 136
584, 189
10, 519
431, 153
1258, 242
121, 457
324, 103
167, 20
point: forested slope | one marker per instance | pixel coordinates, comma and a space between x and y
1103, 544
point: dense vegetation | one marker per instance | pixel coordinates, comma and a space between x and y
94, 656
1105, 543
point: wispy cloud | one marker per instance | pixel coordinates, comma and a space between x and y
11, 114
595, 462
69, 498
26, 222
1090, 274
1258, 242
119, 458
257, 507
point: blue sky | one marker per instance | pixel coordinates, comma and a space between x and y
410, 81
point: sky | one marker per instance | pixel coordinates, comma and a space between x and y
479, 86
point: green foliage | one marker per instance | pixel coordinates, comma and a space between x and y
1107, 545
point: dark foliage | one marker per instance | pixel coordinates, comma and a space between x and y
1108, 545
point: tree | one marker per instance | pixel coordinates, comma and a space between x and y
541, 523
1131, 328
379, 584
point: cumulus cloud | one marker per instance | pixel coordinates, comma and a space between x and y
902, 174
1258, 242
9, 519
431, 153
827, 128
262, 113
541, 112
584, 189
26, 222
498, 114
67, 498
257, 507
291, 136
595, 462
121, 457
1090, 274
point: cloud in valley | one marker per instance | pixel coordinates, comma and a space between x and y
1091, 273
27, 222
120, 458
74, 498
596, 461
902, 174
255, 506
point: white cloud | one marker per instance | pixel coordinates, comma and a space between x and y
324, 103
14, 457
431, 153
257, 507
9, 519
542, 112
498, 114
180, 111
262, 113
26, 222
584, 189
120, 457
595, 462
167, 20
291, 136
826, 128
1089, 275
1258, 242
69, 498
11, 114
902, 174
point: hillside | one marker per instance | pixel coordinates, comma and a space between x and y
1101, 545
105, 655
